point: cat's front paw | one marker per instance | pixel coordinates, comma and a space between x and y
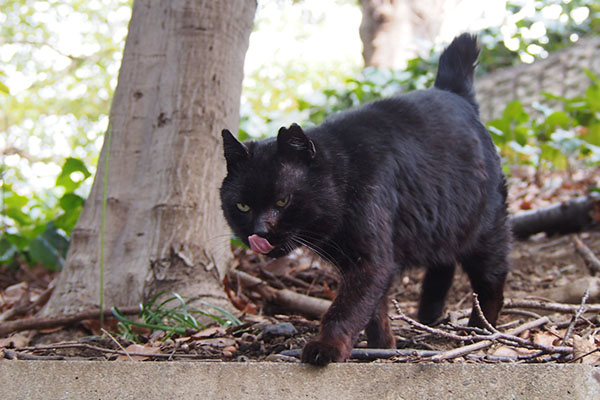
320, 353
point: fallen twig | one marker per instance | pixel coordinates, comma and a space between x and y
585, 355
482, 317
486, 340
588, 255
464, 350
307, 305
576, 317
117, 343
103, 350
549, 306
23, 308
53, 322
15, 355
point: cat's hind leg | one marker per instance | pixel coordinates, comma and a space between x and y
437, 282
487, 268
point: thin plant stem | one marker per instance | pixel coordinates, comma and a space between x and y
103, 221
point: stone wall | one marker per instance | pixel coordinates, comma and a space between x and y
562, 73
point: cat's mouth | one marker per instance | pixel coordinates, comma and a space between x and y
259, 244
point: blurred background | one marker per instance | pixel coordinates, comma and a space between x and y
59, 62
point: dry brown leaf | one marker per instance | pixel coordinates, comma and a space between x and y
583, 346
509, 351
13, 293
278, 266
110, 324
183, 339
547, 338
139, 349
14, 341
215, 331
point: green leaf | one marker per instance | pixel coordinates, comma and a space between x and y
18, 216
237, 242
71, 166
556, 119
7, 250
43, 253
49, 248
67, 221
4, 88
56, 240
592, 76
12, 199
18, 241
521, 135
500, 130
514, 112
592, 136
552, 153
592, 96
71, 202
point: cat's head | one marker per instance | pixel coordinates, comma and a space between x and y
267, 196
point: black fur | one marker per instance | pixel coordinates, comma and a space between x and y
412, 180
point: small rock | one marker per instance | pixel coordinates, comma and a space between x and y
284, 329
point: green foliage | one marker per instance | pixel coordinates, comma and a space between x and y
58, 67
371, 84
533, 31
173, 316
551, 137
35, 231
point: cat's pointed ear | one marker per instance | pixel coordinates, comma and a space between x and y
294, 141
235, 151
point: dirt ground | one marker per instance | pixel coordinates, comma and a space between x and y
543, 268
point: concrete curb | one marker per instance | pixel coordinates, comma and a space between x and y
219, 380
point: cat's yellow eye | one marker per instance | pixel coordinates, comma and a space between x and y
283, 202
243, 207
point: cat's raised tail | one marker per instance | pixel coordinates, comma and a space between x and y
457, 65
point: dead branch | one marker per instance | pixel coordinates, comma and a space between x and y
482, 318
575, 318
549, 306
53, 322
22, 307
588, 255
15, 355
569, 216
464, 350
26, 351
306, 305
508, 338
572, 292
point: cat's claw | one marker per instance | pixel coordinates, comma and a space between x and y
321, 354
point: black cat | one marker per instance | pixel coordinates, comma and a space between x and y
412, 180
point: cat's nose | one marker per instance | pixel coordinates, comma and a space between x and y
261, 229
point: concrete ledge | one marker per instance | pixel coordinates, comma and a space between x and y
218, 380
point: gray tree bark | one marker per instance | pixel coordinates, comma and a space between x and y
393, 31
179, 85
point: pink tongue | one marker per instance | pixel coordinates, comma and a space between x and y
260, 244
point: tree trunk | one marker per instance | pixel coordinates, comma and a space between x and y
394, 31
179, 85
